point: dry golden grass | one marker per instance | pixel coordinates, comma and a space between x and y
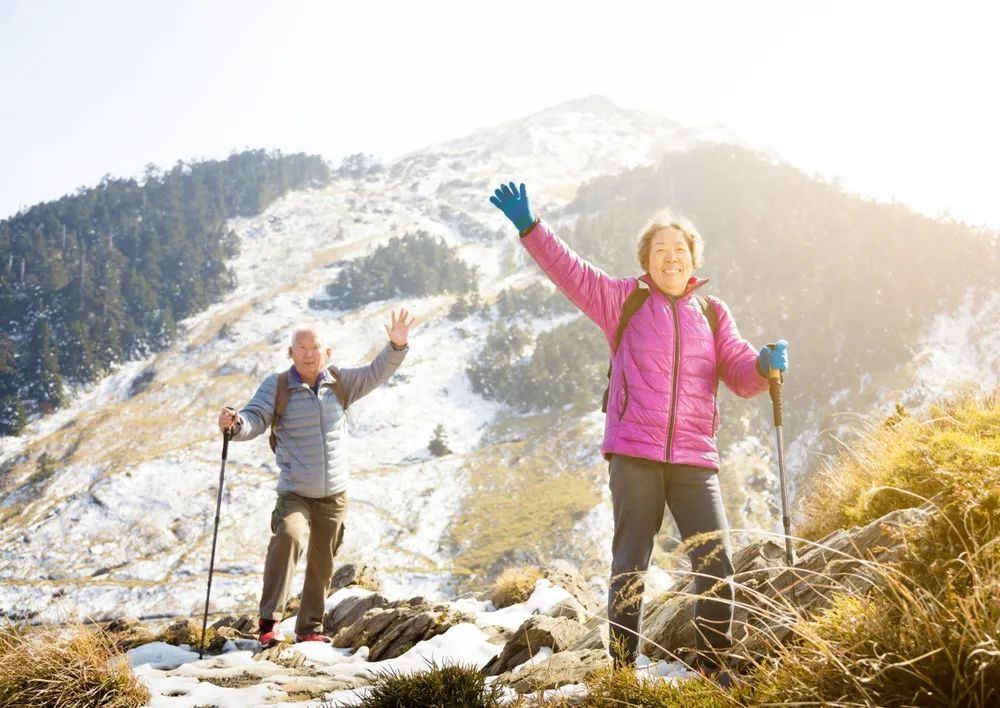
899, 465
66, 667
515, 585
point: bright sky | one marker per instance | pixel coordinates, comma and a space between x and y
896, 99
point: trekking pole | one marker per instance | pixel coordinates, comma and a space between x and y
215, 534
774, 381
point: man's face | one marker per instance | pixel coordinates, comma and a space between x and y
308, 354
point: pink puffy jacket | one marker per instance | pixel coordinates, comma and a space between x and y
665, 375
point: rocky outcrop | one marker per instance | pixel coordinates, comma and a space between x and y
558, 670
362, 575
556, 633
769, 595
394, 628
564, 575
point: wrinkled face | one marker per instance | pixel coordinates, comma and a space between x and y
308, 354
670, 261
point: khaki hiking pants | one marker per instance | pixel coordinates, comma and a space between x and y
294, 519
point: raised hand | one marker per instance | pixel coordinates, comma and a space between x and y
513, 202
400, 330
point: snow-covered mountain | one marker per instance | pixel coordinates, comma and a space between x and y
111, 500
123, 520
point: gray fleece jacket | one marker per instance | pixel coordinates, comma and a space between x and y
312, 434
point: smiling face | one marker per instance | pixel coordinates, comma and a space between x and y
670, 261
308, 354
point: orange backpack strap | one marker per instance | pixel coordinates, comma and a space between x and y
280, 404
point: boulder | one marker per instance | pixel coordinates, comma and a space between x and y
394, 628
558, 670
769, 595
557, 633
365, 576
349, 611
562, 573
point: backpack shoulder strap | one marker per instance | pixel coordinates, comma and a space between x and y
709, 309
338, 386
280, 404
632, 304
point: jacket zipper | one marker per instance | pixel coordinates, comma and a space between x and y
673, 390
322, 439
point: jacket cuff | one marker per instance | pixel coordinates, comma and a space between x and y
399, 349
524, 233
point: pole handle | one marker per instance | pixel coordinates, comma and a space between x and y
774, 382
226, 436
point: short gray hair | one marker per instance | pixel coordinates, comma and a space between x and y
305, 330
666, 219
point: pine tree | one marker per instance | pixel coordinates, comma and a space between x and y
439, 443
41, 371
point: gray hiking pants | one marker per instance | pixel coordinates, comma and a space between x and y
640, 489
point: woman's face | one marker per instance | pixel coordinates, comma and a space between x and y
670, 261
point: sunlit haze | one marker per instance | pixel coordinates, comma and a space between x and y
896, 100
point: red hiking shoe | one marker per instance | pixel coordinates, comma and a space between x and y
270, 633
312, 637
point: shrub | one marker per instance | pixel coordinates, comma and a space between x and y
515, 585
438, 687
65, 667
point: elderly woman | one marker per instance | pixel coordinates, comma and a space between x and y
662, 415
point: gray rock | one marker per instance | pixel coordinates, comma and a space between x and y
569, 609
394, 628
562, 573
366, 576
558, 670
557, 633
769, 595
349, 611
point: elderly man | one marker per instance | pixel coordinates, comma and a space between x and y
306, 409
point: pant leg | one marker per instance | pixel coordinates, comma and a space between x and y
326, 531
695, 499
637, 496
289, 528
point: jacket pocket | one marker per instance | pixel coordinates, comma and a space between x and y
715, 418
621, 413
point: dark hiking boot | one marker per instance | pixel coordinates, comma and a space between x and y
269, 633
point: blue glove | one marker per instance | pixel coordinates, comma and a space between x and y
776, 358
514, 205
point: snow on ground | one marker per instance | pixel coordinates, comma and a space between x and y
178, 679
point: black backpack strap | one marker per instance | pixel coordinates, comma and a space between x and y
280, 404
632, 304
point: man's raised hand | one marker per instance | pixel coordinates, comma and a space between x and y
400, 330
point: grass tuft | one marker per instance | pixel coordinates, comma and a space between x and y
438, 687
66, 667
515, 585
